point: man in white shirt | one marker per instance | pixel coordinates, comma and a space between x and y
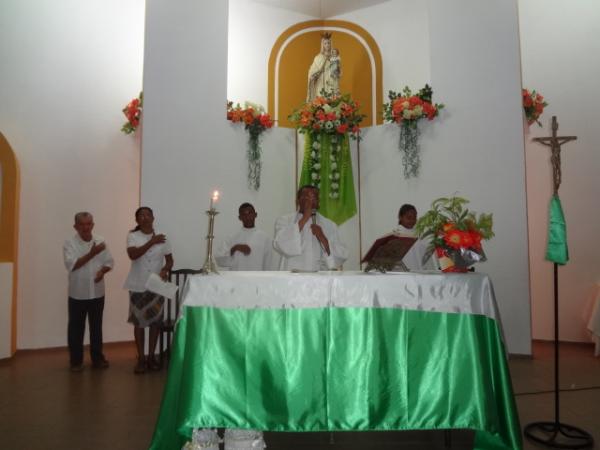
250, 248
306, 240
87, 259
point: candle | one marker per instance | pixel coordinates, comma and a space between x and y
214, 198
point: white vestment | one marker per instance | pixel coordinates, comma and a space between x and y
261, 251
414, 258
322, 76
301, 250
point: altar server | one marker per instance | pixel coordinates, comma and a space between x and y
407, 218
306, 240
248, 249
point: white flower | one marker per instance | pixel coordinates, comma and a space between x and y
316, 145
313, 154
315, 176
334, 140
334, 195
332, 157
336, 176
317, 166
329, 125
334, 186
331, 176
326, 108
337, 123
333, 165
418, 111
406, 114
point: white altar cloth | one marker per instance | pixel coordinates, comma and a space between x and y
469, 293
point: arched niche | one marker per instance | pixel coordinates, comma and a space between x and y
9, 238
293, 53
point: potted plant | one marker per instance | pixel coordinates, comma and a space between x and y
455, 233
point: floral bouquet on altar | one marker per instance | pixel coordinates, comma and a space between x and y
406, 109
455, 233
133, 112
255, 121
533, 104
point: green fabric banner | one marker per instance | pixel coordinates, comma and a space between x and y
317, 369
557, 250
318, 150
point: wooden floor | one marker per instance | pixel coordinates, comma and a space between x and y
45, 406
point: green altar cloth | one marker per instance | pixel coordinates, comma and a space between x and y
315, 369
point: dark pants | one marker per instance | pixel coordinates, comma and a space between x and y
78, 310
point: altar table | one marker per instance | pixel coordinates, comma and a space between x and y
339, 351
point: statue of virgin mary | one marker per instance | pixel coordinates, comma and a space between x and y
324, 73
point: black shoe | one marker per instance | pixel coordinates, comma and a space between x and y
76, 367
101, 364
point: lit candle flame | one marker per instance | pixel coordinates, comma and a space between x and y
213, 199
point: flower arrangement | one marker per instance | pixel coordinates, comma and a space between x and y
328, 118
330, 114
255, 121
533, 104
406, 109
455, 233
133, 112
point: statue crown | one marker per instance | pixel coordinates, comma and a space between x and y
326, 36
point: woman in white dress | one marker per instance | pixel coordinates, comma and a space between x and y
324, 72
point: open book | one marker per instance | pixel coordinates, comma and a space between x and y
387, 252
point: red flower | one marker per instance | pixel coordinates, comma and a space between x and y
454, 238
265, 120
342, 128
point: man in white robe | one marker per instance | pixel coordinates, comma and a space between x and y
306, 240
248, 249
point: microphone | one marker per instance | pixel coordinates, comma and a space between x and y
313, 216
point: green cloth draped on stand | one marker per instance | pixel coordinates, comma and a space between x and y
336, 209
557, 250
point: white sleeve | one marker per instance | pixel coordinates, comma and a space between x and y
108, 260
223, 256
288, 240
69, 255
338, 251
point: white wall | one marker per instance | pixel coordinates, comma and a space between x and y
67, 70
253, 29
559, 49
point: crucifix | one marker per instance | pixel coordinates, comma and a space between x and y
556, 434
554, 142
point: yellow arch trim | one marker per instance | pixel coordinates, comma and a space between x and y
9, 223
372, 44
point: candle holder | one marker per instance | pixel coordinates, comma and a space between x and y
209, 263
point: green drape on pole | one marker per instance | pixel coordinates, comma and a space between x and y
344, 207
557, 250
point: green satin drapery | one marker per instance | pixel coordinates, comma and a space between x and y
343, 208
337, 369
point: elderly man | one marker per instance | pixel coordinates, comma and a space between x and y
306, 240
87, 259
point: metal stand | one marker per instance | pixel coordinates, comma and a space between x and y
556, 434
209, 264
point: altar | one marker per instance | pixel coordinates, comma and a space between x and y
339, 351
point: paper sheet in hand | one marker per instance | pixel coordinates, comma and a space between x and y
158, 286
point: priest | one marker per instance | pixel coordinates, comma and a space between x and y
306, 240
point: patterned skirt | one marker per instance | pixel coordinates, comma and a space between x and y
145, 308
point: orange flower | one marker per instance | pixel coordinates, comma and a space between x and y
265, 120
447, 227
453, 238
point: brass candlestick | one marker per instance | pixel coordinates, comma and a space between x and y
209, 263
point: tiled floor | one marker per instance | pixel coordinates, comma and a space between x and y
44, 406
